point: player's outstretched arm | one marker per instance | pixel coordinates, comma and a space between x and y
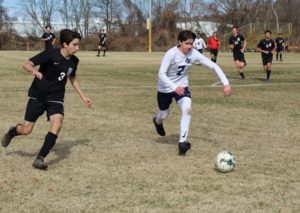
77, 88
29, 67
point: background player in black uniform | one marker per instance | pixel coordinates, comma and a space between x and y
266, 46
238, 44
48, 37
46, 93
279, 46
102, 42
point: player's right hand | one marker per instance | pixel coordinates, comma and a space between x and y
227, 90
180, 90
37, 74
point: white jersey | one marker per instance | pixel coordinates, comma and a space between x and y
175, 65
199, 44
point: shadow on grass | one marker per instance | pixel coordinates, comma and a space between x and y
62, 150
169, 139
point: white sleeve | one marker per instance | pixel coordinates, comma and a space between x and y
165, 64
211, 65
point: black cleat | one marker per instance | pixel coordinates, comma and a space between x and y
38, 163
184, 147
7, 137
159, 128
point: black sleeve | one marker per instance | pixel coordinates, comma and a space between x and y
76, 62
44, 35
41, 58
230, 41
53, 35
242, 38
260, 44
273, 45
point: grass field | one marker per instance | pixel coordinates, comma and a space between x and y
109, 158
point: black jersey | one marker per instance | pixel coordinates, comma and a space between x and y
279, 42
237, 41
50, 37
102, 37
266, 45
55, 69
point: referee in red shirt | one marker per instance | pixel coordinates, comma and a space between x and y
213, 44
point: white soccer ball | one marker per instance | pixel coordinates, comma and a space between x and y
225, 161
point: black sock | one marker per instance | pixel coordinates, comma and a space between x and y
13, 132
280, 56
98, 52
276, 56
50, 140
242, 74
104, 52
268, 74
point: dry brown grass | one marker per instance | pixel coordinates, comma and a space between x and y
109, 159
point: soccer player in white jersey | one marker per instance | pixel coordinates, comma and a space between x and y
173, 83
199, 44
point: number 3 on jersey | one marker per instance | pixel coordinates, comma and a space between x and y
62, 76
180, 70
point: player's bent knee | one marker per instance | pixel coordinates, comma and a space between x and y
163, 115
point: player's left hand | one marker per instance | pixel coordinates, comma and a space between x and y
227, 90
87, 102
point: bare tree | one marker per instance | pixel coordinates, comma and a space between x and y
109, 11
41, 12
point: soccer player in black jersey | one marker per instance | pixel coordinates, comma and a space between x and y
238, 44
102, 42
266, 46
48, 37
47, 91
279, 41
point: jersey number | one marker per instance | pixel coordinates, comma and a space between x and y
62, 76
180, 70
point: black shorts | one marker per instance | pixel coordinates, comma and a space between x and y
279, 49
102, 44
214, 52
266, 59
165, 99
239, 56
36, 108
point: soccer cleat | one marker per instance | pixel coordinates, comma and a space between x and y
98, 55
184, 147
38, 163
159, 128
7, 137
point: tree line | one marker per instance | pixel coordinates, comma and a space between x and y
125, 20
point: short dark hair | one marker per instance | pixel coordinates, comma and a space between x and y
48, 26
234, 27
67, 36
268, 31
185, 35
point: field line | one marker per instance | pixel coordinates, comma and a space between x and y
21, 89
195, 86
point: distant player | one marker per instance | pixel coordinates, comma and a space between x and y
199, 44
279, 46
48, 37
173, 83
102, 42
213, 44
47, 91
238, 45
266, 46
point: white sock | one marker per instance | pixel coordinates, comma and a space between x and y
185, 108
161, 116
